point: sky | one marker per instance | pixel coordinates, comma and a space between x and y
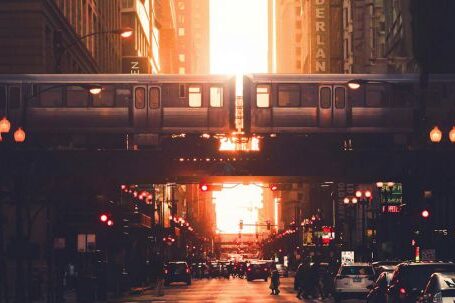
238, 36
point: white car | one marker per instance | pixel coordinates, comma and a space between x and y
352, 281
440, 289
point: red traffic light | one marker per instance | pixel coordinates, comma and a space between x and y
273, 187
103, 218
425, 214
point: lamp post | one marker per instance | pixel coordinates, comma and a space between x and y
60, 48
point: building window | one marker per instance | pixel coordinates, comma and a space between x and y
181, 70
182, 58
181, 19
298, 64
181, 5
194, 96
216, 96
181, 31
263, 96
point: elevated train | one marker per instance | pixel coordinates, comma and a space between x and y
148, 107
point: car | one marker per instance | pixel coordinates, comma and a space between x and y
352, 281
177, 272
410, 278
440, 289
255, 271
282, 270
381, 266
378, 290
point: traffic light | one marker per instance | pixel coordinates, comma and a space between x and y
269, 225
106, 218
210, 187
241, 224
425, 214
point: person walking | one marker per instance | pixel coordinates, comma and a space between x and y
304, 282
275, 282
315, 278
158, 266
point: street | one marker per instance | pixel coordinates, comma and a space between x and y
222, 290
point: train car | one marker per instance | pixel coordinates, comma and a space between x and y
323, 103
142, 106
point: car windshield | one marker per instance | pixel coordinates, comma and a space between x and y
417, 276
177, 266
356, 270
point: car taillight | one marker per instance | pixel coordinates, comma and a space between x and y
187, 270
249, 269
402, 291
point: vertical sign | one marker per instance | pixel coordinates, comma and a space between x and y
320, 37
135, 65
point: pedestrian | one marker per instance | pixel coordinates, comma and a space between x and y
303, 282
158, 268
275, 282
315, 278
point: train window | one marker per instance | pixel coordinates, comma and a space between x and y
2, 98
49, 97
76, 96
14, 97
340, 97
375, 97
325, 96
154, 97
263, 96
194, 96
216, 96
310, 95
122, 97
289, 95
105, 98
403, 95
139, 97
182, 93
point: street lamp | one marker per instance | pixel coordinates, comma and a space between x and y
435, 135
59, 48
452, 135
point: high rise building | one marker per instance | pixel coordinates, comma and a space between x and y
137, 55
398, 33
305, 36
31, 29
193, 36
364, 37
167, 23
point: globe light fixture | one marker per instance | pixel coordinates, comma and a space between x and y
19, 135
5, 125
379, 184
354, 200
435, 135
354, 84
452, 135
358, 194
346, 200
95, 90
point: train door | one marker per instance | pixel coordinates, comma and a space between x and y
261, 115
147, 107
216, 111
332, 106
140, 107
154, 108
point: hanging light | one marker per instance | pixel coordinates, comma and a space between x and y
435, 135
19, 135
452, 135
5, 125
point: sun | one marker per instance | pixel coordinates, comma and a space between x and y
238, 36
237, 202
